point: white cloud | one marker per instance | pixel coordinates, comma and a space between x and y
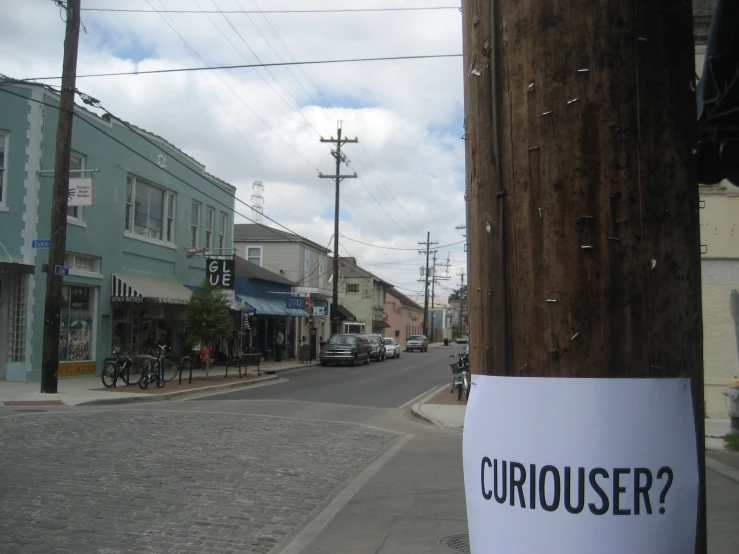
245, 124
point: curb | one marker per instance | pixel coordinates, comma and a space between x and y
182, 395
416, 409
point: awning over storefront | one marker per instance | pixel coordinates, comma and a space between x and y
139, 290
380, 325
268, 306
345, 314
12, 267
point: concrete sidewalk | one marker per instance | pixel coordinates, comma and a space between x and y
441, 408
78, 391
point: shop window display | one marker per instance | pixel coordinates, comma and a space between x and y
77, 324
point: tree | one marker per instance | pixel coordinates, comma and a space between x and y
208, 318
459, 293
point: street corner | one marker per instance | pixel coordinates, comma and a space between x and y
442, 409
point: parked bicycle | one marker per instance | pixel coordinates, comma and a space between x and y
154, 369
461, 375
123, 368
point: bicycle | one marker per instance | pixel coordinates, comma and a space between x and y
153, 370
121, 367
461, 376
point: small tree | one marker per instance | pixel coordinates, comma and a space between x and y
208, 318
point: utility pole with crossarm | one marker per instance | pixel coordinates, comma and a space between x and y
338, 177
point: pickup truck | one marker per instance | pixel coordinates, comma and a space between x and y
417, 342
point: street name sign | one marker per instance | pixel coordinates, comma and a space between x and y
41, 244
61, 270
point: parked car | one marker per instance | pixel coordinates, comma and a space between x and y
417, 342
392, 348
462, 339
377, 343
345, 348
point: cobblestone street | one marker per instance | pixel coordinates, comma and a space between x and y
164, 482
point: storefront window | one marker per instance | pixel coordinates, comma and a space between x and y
77, 324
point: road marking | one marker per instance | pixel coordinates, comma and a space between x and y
367, 380
430, 393
314, 528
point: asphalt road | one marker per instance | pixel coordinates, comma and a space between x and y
386, 384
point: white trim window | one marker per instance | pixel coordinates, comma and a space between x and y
253, 254
4, 139
195, 224
352, 288
77, 161
150, 210
82, 264
222, 231
210, 221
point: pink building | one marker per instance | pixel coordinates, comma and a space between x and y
404, 316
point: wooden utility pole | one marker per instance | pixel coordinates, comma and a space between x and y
338, 177
462, 293
582, 192
427, 244
58, 237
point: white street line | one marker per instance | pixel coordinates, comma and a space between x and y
428, 393
312, 530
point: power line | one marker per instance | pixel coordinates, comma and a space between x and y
254, 65
346, 10
127, 147
405, 249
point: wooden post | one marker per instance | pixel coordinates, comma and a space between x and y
58, 238
582, 192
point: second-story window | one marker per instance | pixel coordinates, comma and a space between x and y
254, 254
195, 225
210, 221
76, 162
352, 288
222, 231
3, 165
150, 210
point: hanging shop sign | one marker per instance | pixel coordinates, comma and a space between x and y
577, 466
220, 273
80, 192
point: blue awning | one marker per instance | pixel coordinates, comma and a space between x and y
268, 306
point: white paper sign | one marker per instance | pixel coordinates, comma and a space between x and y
80, 192
580, 466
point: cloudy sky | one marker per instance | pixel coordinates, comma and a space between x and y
265, 123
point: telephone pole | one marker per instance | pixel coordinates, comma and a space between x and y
427, 244
338, 177
58, 237
434, 278
462, 318
582, 193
